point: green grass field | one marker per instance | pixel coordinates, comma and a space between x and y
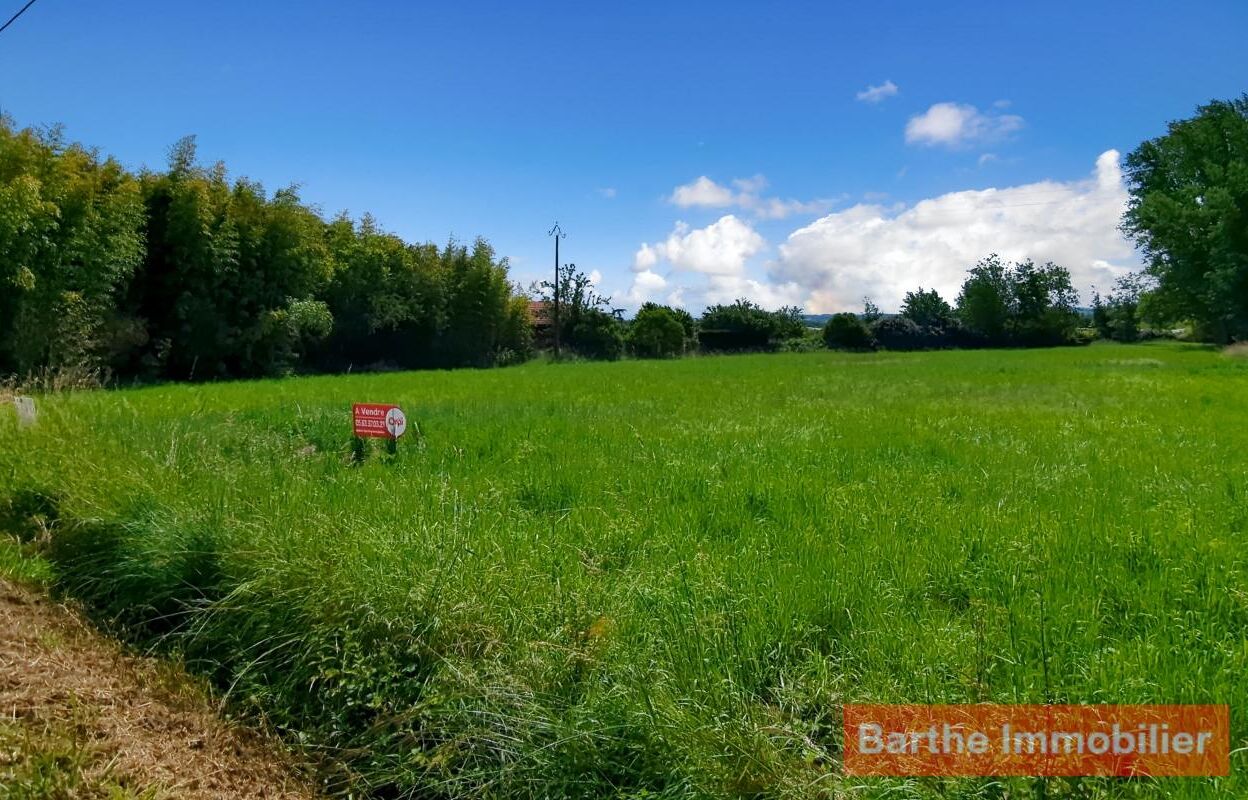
661, 579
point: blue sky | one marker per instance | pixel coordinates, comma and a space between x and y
994, 130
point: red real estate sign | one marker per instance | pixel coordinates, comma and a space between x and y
380, 420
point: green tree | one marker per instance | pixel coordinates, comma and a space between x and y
478, 295
1100, 316
1122, 317
846, 331
689, 326
70, 239
1188, 212
587, 327
744, 325
927, 309
386, 297
656, 332
1042, 304
222, 262
187, 274
983, 305
1017, 304
870, 311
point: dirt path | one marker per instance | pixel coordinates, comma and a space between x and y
79, 718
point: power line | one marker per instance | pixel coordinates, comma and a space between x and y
13, 18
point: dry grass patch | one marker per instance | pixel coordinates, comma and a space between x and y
83, 719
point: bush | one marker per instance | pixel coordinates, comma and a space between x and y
846, 331
900, 333
747, 326
656, 332
597, 334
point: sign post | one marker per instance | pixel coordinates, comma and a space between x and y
378, 421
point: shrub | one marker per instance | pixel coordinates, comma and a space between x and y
656, 332
846, 331
739, 326
597, 334
899, 333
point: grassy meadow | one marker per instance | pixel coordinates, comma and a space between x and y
662, 578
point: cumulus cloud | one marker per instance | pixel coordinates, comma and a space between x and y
958, 124
711, 289
729, 288
884, 252
721, 248
744, 193
876, 94
647, 286
707, 265
702, 192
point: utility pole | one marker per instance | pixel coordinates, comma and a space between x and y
558, 233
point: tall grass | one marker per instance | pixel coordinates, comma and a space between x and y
661, 579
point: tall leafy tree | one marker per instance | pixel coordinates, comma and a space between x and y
70, 239
927, 309
224, 265
984, 302
478, 295
1188, 213
1017, 304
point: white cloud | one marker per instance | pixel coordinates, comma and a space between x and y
645, 258
646, 286
987, 158
745, 193
728, 288
749, 186
884, 252
775, 208
876, 94
957, 124
607, 192
703, 192
712, 289
713, 262
721, 248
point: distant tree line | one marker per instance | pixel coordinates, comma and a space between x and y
1000, 305
184, 274
1188, 212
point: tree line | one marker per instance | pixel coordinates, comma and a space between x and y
1187, 212
185, 274
1000, 305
